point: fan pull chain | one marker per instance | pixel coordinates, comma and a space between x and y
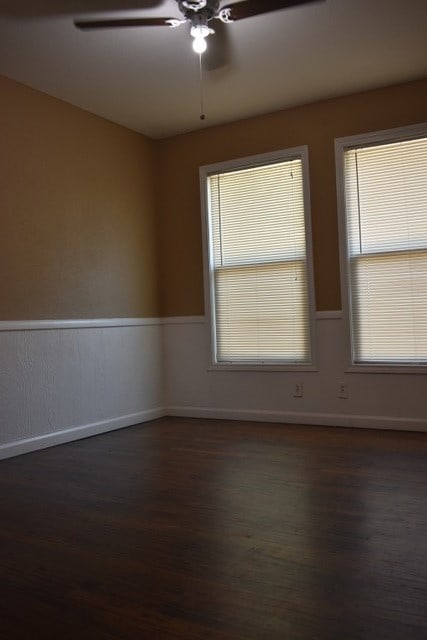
202, 115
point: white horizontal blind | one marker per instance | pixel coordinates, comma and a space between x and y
386, 209
258, 264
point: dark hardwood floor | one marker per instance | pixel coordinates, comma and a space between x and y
197, 529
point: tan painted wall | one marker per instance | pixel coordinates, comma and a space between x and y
86, 204
78, 234
316, 125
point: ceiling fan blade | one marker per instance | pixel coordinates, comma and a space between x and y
249, 8
119, 23
219, 48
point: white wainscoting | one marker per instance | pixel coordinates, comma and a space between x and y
69, 379
376, 400
62, 380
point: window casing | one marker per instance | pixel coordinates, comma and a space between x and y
382, 191
258, 270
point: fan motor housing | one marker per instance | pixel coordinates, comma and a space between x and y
208, 10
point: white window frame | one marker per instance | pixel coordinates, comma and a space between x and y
300, 153
341, 145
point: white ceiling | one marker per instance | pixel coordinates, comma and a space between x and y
147, 78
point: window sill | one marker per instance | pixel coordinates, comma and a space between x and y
396, 369
260, 368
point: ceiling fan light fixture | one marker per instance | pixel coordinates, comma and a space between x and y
200, 33
199, 44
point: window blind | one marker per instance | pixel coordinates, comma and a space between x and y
386, 212
258, 264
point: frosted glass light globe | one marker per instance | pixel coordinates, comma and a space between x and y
199, 44
200, 33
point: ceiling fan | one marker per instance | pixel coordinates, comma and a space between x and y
199, 14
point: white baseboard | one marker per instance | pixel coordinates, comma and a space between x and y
294, 417
19, 447
28, 445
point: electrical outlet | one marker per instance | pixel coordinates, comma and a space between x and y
342, 390
298, 390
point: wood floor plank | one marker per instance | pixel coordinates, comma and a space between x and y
203, 529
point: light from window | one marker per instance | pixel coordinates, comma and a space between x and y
385, 198
258, 272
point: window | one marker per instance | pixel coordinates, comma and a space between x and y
383, 187
257, 265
